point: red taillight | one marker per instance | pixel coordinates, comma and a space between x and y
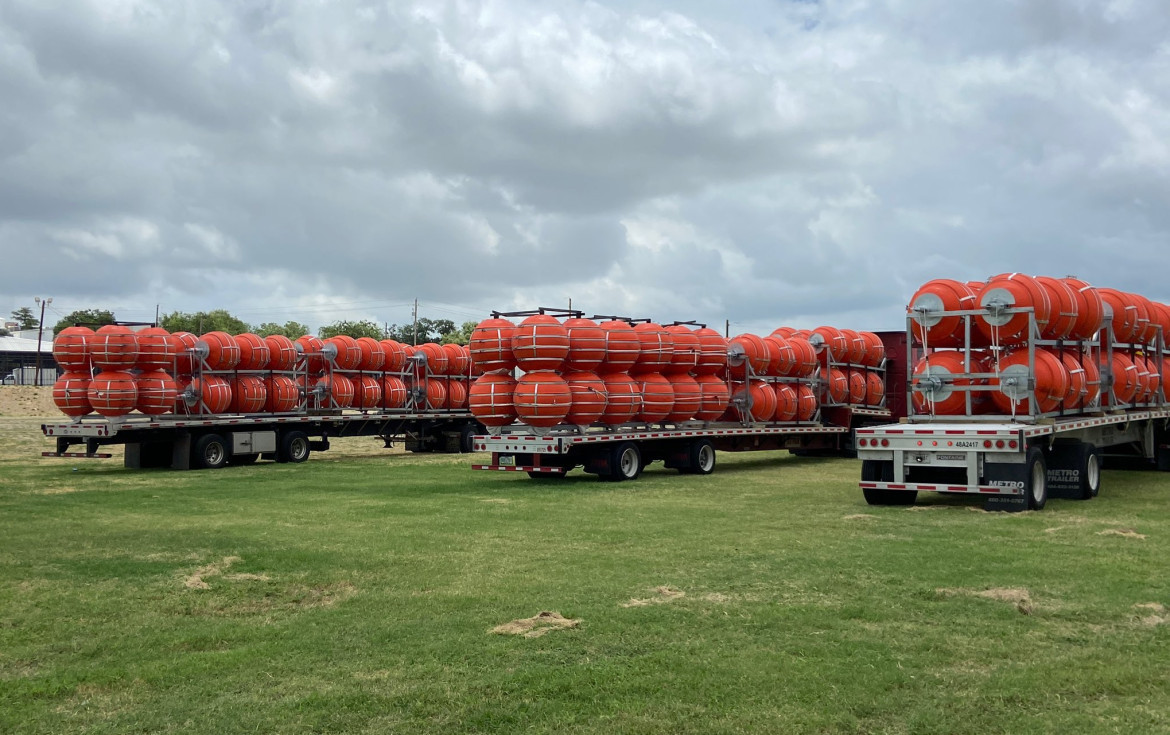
999, 443
987, 444
1012, 444
862, 442
885, 442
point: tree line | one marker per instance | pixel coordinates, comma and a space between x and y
220, 320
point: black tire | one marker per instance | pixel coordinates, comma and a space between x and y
293, 447
700, 458
625, 462
1036, 479
877, 470
1090, 467
467, 438
243, 459
209, 452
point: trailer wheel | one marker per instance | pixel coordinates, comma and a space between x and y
210, 452
1090, 471
1036, 479
625, 462
294, 447
467, 438
700, 458
877, 470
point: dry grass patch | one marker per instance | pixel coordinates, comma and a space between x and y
1017, 596
1123, 532
197, 580
537, 625
1151, 614
662, 595
859, 517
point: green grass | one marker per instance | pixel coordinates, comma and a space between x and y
359, 596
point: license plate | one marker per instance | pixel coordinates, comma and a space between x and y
507, 460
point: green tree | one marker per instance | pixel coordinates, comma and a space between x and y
202, 322
290, 329
429, 330
461, 336
91, 318
25, 318
353, 329
4, 332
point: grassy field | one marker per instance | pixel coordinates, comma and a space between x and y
361, 592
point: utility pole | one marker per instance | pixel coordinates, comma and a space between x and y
40, 333
414, 314
727, 329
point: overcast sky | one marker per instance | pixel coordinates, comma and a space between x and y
784, 162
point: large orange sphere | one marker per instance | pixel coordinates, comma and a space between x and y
491, 345
222, 351
542, 398
157, 349
282, 353
255, 354
540, 342
113, 347
589, 397
71, 348
492, 399
71, 394
113, 393
157, 392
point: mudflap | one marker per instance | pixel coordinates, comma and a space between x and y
1006, 476
1064, 471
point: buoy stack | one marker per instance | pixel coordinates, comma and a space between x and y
1022, 345
613, 371
115, 371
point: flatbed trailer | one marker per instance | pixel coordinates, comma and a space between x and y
622, 453
209, 442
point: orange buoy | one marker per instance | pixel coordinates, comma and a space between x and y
427, 394
1145, 382
157, 392
188, 352
1064, 307
542, 397
1015, 291
622, 347
157, 349
71, 393
688, 397
834, 341
835, 385
938, 389
1092, 378
1155, 379
781, 356
712, 352
458, 360
249, 394
1165, 383
540, 342
806, 403
456, 394
1160, 318
656, 348
491, 346
373, 358
113, 348
747, 350
1051, 382
715, 397
282, 353
586, 346
334, 391
1090, 309
281, 394
754, 401
785, 402
875, 350
857, 386
588, 397
366, 391
685, 355
492, 399
929, 325
806, 357
436, 358
623, 397
394, 392
855, 346
113, 393
1125, 377
203, 395
1078, 387
1121, 313
473, 370
657, 397
220, 350
254, 352
784, 332
310, 350
1144, 330
875, 389
395, 357
71, 349
346, 353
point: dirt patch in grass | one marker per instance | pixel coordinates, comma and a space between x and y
920, 508
1017, 596
494, 500
662, 595
537, 625
859, 517
1151, 614
197, 580
1123, 532
29, 400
